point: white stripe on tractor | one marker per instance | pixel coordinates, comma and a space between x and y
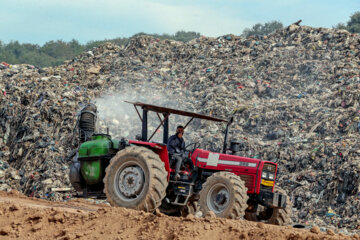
226, 162
213, 159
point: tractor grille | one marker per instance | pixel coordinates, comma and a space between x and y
268, 167
248, 179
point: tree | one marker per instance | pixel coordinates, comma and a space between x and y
353, 25
185, 36
262, 29
75, 47
56, 49
340, 26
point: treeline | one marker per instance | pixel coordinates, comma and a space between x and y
55, 53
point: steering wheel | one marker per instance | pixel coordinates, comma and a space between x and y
196, 145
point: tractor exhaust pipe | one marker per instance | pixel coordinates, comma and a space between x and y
87, 122
227, 133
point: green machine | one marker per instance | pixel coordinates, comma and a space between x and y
91, 153
94, 153
92, 158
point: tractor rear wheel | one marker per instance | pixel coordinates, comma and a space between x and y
275, 216
135, 178
225, 194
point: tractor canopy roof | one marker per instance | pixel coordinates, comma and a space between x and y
169, 111
165, 121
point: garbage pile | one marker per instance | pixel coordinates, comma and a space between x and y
296, 92
9, 177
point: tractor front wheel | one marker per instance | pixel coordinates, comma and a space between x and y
135, 178
225, 194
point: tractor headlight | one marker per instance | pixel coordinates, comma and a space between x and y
263, 175
271, 176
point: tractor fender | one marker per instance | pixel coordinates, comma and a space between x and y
158, 148
74, 174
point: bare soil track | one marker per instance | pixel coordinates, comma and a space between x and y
29, 218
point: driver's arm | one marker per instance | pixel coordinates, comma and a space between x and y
171, 144
183, 145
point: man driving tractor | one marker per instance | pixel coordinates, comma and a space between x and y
176, 145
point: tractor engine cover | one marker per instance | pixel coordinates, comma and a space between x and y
92, 171
93, 154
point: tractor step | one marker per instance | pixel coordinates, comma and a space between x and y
183, 193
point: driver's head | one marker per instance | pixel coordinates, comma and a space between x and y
180, 131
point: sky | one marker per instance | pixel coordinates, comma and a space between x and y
39, 21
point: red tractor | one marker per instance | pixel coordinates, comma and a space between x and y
139, 174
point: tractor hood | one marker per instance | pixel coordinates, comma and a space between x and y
250, 169
100, 145
211, 159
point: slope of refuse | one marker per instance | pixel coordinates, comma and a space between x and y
296, 92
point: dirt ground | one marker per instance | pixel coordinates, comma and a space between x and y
29, 218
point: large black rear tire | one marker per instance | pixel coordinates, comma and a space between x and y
225, 194
135, 178
275, 216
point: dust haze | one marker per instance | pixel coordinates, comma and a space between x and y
122, 119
